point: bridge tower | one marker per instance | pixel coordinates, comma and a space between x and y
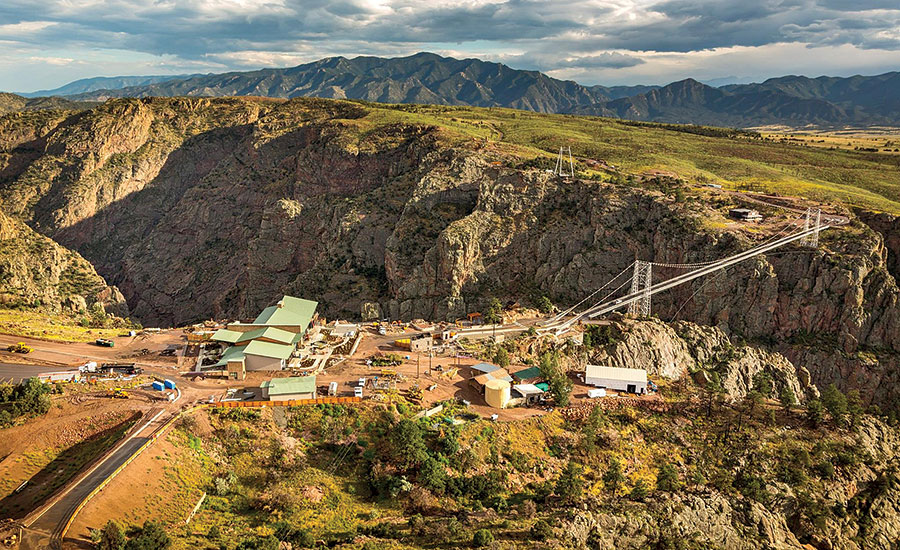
641, 282
813, 221
561, 169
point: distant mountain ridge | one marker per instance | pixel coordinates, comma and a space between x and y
430, 78
87, 85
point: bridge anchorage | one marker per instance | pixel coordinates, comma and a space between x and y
561, 169
813, 221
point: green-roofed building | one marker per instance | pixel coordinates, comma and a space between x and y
286, 389
271, 335
527, 375
227, 336
289, 311
290, 314
260, 355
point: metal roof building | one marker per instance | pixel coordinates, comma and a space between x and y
286, 389
616, 378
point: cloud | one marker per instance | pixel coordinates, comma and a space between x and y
575, 37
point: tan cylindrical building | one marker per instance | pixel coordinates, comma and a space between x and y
496, 393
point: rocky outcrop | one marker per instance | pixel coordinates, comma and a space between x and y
682, 348
199, 207
37, 272
689, 520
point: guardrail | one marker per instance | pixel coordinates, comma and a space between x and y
122, 466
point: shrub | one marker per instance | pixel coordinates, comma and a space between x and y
541, 530
639, 492
482, 538
111, 537
667, 478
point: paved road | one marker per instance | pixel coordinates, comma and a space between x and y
17, 372
50, 524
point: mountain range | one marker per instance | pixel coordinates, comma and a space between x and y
433, 79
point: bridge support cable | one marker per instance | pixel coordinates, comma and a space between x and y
562, 314
640, 284
691, 275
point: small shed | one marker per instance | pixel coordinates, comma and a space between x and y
745, 214
616, 378
528, 375
482, 368
480, 382
530, 393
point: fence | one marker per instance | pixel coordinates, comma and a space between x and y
290, 403
122, 466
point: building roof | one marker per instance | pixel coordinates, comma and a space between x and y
485, 367
225, 335
234, 353
271, 333
498, 374
527, 374
293, 384
542, 386
615, 373
289, 311
266, 349
527, 389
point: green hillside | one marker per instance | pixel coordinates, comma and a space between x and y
737, 160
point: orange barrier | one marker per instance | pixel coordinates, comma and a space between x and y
291, 403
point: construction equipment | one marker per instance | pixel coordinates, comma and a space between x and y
388, 373
117, 393
20, 347
415, 393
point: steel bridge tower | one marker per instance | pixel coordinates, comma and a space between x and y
641, 282
813, 221
560, 169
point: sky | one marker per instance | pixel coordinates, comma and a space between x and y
47, 43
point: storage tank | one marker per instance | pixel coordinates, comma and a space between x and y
169, 384
496, 393
157, 385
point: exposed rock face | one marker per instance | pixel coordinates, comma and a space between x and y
213, 207
701, 521
35, 271
685, 348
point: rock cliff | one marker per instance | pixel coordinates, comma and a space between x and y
200, 208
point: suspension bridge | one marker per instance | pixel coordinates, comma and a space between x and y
638, 299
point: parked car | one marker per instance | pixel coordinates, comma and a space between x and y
104, 342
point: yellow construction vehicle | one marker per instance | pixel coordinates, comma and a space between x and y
20, 348
117, 393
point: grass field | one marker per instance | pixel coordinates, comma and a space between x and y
51, 327
850, 177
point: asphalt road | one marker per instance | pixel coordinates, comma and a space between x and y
16, 372
53, 520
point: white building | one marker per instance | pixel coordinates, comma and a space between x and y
616, 378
